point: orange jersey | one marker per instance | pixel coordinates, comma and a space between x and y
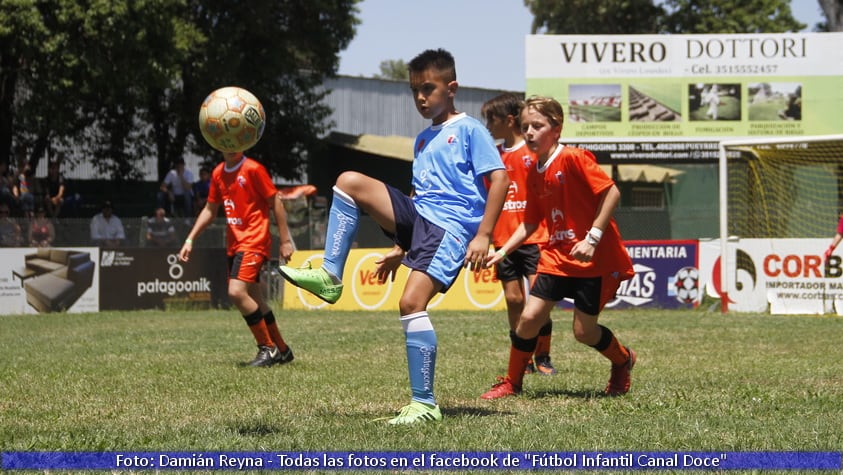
565, 193
518, 161
244, 191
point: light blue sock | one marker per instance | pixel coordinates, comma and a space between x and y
421, 355
342, 228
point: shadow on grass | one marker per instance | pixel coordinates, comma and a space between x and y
556, 393
255, 429
473, 411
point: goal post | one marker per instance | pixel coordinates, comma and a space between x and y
778, 188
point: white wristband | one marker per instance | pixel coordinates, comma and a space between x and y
593, 236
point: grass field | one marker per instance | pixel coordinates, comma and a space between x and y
155, 381
767, 109
668, 95
596, 113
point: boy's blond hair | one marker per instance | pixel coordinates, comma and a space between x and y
548, 107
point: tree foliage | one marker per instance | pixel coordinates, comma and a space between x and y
120, 81
728, 16
833, 12
394, 69
668, 16
587, 17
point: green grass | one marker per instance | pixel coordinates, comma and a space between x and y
596, 113
669, 95
173, 381
767, 109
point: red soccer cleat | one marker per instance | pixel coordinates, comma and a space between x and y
503, 388
621, 379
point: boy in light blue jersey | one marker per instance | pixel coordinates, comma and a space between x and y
446, 224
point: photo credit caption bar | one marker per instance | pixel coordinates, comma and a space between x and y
444, 461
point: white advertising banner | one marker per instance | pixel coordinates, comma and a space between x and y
43, 280
601, 56
674, 92
784, 276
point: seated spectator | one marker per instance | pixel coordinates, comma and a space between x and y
7, 184
55, 188
41, 229
200, 189
9, 230
106, 228
160, 231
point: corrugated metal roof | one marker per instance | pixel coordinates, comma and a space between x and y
362, 106
384, 107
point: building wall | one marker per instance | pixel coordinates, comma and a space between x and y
384, 107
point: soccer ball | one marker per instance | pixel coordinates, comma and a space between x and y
231, 119
687, 285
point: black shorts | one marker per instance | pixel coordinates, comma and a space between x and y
586, 291
521, 263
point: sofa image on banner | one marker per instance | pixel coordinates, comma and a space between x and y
54, 280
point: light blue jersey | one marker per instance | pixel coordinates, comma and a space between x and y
450, 161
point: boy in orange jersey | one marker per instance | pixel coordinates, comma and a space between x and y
503, 119
584, 257
245, 190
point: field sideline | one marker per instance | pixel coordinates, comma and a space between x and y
152, 380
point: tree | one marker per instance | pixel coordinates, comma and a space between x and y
668, 16
281, 52
727, 16
81, 75
121, 81
580, 17
394, 69
833, 11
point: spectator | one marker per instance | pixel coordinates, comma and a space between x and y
106, 228
23, 189
160, 231
200, 189
55, 187
176, 191
7, 184
41, 229
9, 230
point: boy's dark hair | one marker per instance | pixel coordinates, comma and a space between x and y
438, 59
502, 106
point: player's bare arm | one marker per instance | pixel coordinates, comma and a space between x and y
583, 250
478, 248
205, 218
521, 233
286, 239
387, 266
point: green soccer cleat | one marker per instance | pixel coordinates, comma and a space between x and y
315, 281
417, 412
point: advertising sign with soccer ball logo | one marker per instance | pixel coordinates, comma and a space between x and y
666, 276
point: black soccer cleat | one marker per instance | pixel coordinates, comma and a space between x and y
267, 356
